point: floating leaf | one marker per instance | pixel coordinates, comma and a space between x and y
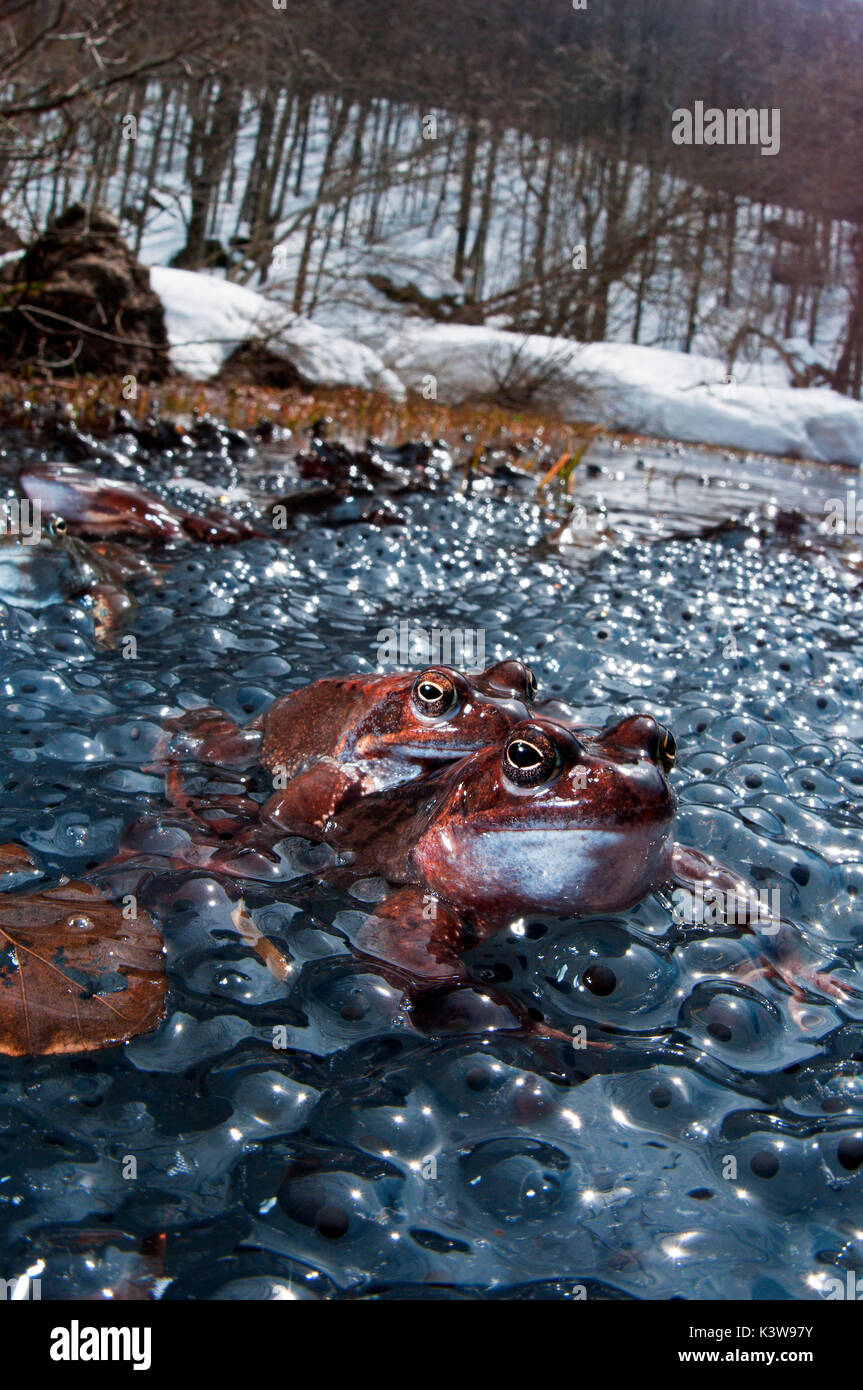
75, 974
17, 867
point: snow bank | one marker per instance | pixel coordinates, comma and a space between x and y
673, 395
207, 318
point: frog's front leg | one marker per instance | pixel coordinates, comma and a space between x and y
221, 813
308, 800
420, 936
209, 736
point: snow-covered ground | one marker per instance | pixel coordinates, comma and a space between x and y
207, 318
672, 395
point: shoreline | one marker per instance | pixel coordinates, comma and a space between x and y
356, 414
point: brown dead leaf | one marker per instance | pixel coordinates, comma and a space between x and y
75, 974
17, 867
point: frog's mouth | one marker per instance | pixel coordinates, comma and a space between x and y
418, 752
393, 745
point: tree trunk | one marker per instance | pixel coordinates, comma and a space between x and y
695, 284
467, 172
337, 126
476, 260
303, 117
542, 212
149, 178
216, 129
356, 165
847, 376
252, 208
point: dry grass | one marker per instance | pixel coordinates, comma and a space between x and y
33, 403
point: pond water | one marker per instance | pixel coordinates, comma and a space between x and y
713, 1147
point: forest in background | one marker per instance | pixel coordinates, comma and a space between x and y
556, 117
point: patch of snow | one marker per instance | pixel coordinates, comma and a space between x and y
325, 357
649, 390
673, 395
207, 318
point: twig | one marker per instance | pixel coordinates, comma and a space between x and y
28, 309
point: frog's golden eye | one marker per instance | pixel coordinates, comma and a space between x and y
667, 751
531, 683
57, 526
433, 694
530, 758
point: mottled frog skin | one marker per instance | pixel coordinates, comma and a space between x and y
547, 818
346, 737
541, 821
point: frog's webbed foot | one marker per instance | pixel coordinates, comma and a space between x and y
714, 895
708, 893
310, 799
252, 854
222, 813
156, 843
802, 980
419, 936
208, 736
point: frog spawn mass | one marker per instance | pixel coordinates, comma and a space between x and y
369, 1147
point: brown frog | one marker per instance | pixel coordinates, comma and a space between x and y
547, 820
346, 737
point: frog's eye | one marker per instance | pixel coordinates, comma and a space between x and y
530, 758
434, 694
531, 683
56, 526
667, 750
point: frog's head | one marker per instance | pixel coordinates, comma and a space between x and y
442, 714
550, 820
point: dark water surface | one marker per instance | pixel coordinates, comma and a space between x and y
715, 1149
